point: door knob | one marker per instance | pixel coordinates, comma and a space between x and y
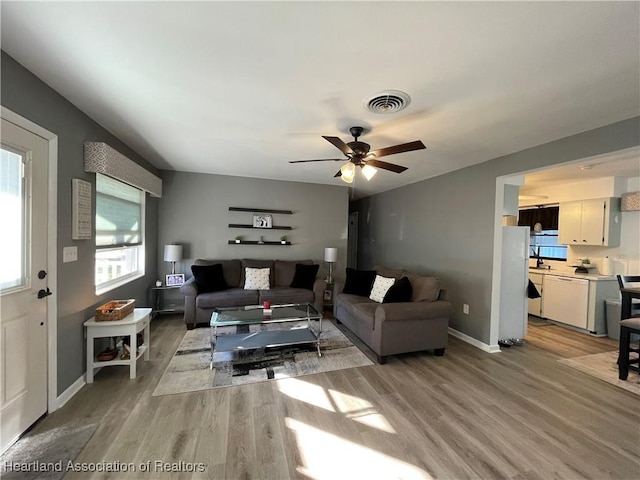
42, 274
44, 293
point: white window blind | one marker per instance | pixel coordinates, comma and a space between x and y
118, 213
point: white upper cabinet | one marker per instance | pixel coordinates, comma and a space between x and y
590, 222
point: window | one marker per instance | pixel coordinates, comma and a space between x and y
119, 233
14, 212
545, 245
543, 222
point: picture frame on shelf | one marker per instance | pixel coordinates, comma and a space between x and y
328, 294
174, 280
262, 221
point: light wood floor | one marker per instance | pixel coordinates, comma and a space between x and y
518, 414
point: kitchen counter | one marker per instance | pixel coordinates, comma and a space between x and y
575, 299
564, 273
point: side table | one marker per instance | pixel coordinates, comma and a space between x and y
327, 301
166, 299
130, 325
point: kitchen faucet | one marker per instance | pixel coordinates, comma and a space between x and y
536, 253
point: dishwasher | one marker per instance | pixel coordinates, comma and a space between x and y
566, 300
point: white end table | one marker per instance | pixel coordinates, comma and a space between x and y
138, 320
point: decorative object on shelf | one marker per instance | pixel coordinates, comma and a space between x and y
173, 254
261, 241
238, 238
158, 283
126, 348
114, 310
175, 279
283, 239
107, 355
330, 256
328, 293
262, 221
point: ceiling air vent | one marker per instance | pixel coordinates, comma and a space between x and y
389, 101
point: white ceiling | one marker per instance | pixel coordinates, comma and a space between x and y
240, 88
624, 163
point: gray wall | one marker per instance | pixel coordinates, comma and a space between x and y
194, 212
445, 225
26, 95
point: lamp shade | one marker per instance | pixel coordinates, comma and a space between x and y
172, 253
330, 254
368, 171
348, 172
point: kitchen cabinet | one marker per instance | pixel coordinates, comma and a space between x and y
535, 304
590, 222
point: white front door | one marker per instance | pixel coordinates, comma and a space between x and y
23, 260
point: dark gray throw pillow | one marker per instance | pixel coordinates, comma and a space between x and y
359, 282
305, 276
209, 278
400, 291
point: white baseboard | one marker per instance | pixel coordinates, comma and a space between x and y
70, 392
476, 343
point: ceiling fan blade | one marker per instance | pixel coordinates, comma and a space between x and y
404, 147
386, 166
343, 147
319, 160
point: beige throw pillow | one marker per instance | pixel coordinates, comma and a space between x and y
256, 278
380, 287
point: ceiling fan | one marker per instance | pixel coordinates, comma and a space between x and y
359, 154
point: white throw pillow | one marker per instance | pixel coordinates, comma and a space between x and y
380, 288
256, 278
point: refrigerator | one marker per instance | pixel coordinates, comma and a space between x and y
514, 282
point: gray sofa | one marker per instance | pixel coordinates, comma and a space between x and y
393, 328
198, 307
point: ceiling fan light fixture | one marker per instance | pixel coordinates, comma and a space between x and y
368, 171
348, 172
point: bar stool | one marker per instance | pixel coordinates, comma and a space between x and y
625, 363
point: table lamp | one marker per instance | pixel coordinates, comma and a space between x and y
330, 256
173, 254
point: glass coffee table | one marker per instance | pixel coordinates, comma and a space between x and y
256, 315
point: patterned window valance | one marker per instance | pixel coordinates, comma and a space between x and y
630, 202
101, 158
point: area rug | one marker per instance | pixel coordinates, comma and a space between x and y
604, 366
188, 370
46, 455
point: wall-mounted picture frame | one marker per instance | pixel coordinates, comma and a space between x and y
174, 280
262, 221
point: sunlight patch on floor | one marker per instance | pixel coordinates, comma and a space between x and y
360, 410
346, 459
306, 392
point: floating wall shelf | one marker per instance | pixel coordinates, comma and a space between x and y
246, 225
256, 242
259, 210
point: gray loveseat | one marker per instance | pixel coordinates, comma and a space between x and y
198, 307
393, 328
